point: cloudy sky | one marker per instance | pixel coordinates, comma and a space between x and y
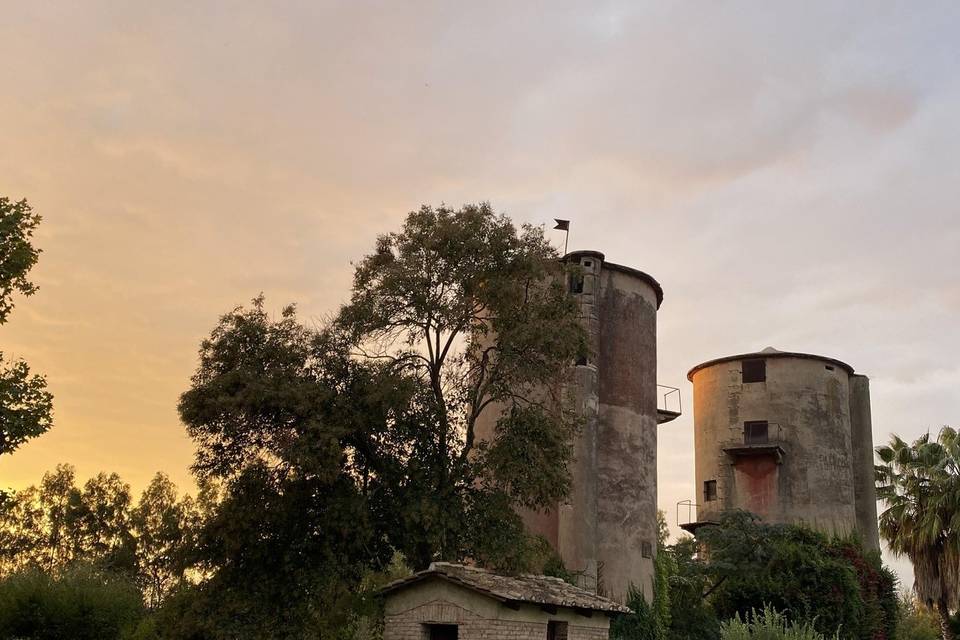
787, 171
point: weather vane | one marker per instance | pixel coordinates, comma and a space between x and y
563, 225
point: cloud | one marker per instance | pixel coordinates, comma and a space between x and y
786, 171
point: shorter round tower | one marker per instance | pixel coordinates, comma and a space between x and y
787, 436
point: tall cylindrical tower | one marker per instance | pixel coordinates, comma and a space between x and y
786, 436
606, 529
626, 435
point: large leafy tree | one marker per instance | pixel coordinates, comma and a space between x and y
26, 407
920, 484
271, 408
471, 315
339, 444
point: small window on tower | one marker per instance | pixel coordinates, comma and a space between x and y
754, 370
709, 490
646, 549
756, 432
576, 283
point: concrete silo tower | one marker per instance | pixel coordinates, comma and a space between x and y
607, 527
787, 436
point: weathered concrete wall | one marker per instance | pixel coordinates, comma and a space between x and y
627, 433
407, 613
806, 402
864, 485
578, 524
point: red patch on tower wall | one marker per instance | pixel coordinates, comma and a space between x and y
543, 523
756, 480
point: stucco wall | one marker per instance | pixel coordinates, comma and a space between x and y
808, 407
409, 610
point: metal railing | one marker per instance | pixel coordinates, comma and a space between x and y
775, 433
691, 514
669, 399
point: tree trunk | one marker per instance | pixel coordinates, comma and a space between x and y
945, 631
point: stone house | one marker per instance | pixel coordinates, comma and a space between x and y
457, 602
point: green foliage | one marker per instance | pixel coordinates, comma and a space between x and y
767, 624
920, 484
58, 524
648, 621
691, 617
161, 524
665, 567
339, 445
877, 588
51, 526
915, 621
638, 625
282, 560
464, 312
274, 410
802, 573
17, 253
26, 407
80, 603
788, 568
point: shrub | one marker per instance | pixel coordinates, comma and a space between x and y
639, 625
768, 624
832, 584
916, 622
81, 603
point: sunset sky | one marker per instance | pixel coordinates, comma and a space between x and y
788, 172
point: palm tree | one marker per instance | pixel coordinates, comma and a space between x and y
920, 484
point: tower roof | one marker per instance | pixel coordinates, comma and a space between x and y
768, 353
646, 277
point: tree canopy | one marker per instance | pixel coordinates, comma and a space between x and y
920, 484
467, 314
356, 439
17, 253
26, 407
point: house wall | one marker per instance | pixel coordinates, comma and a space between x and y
436, 601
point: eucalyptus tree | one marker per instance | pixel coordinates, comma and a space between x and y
920, 484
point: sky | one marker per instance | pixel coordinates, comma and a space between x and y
787, 171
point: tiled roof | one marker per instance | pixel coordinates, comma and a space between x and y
543, 590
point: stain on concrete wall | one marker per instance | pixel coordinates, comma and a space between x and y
755, 484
